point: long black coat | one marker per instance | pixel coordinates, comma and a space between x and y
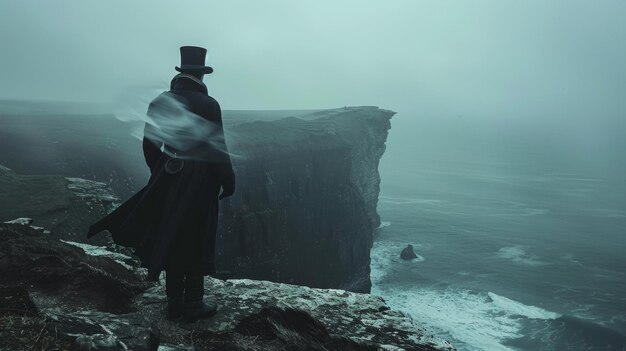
172, 221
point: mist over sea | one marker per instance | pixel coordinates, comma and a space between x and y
519, 232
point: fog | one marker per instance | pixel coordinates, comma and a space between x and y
504, 166
495, 68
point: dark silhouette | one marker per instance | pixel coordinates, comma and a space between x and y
408, 253
171, 222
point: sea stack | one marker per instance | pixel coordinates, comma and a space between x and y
407, 253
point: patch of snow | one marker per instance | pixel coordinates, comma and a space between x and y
91, 190
101, 251
164, 347
90, 342
21, 220
391, 348
27, 221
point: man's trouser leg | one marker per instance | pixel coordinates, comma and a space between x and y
174, 289
195, 307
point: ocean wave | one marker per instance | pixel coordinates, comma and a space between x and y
384, 225
594, 336
408, 201
516, 208
483, 320
469, 319
518, 255
517, 308
570, 333
570, 177
571, 259
472, 320
534, 212
609, 213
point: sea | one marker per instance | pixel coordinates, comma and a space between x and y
520, 241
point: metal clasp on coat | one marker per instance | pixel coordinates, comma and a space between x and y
174, 165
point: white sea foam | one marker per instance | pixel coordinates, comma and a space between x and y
407, 201
477, 321
571, 258
571, 177
384, 224
534, 212
518, 255
385, 256
516, 208
517, 308
460, 315
610, 213
470, 320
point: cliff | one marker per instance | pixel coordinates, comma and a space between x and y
307, 186
305, 208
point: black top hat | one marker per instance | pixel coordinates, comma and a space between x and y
192, 60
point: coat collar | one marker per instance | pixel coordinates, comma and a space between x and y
184, 81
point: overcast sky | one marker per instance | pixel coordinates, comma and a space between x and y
494, 59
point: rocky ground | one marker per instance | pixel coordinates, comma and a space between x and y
71, 296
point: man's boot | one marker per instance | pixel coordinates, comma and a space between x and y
174, 288
194, 307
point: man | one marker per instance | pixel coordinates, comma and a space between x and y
172, 221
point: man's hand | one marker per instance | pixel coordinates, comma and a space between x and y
227, 190
226, 176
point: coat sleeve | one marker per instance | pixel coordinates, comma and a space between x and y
151, 149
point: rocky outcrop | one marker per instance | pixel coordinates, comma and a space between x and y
68, 299
307, 187
64, 206
408, 253
46, 265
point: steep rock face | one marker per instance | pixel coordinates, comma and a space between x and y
305, 208
307, 186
